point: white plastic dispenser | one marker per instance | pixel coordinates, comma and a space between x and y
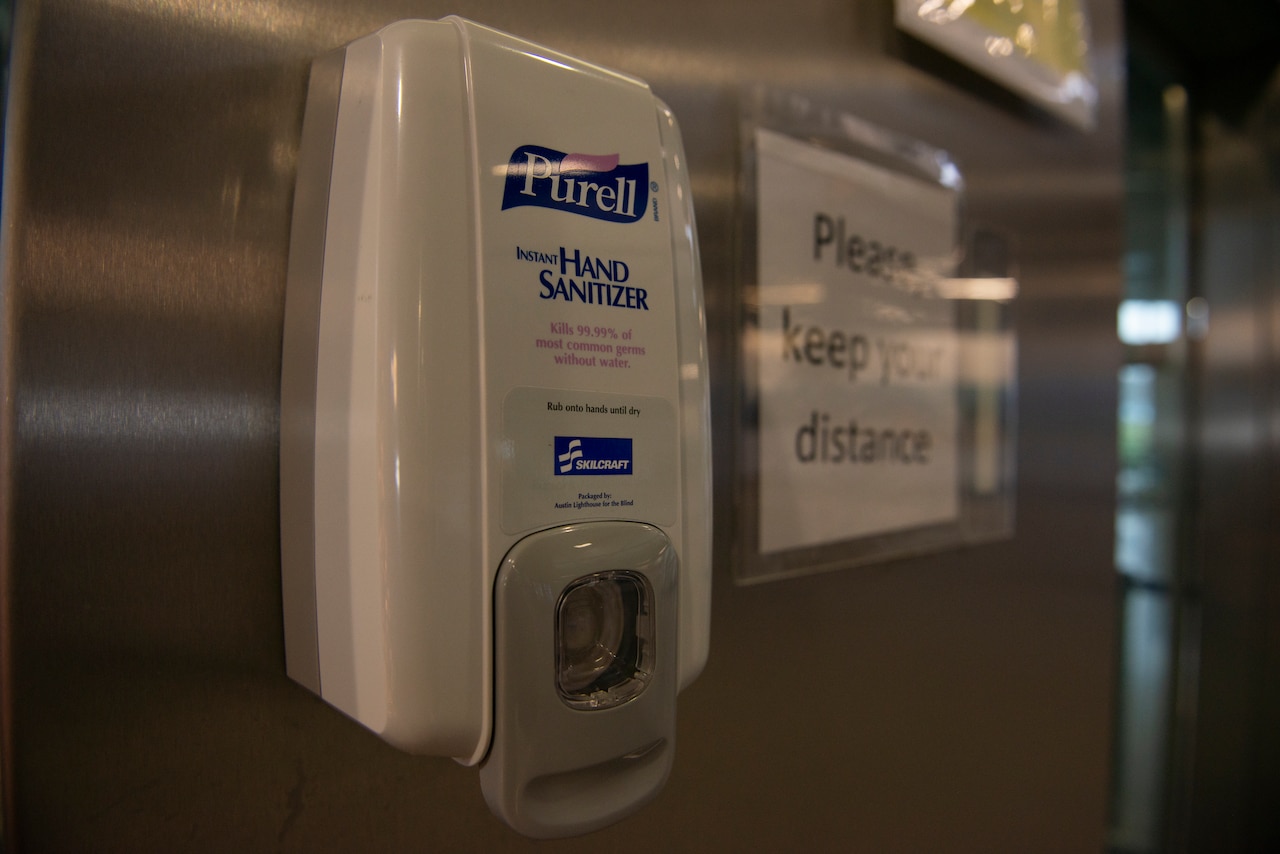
495, 450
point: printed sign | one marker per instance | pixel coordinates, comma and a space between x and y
856, 357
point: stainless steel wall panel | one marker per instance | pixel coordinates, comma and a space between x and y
1228, 716
956, 702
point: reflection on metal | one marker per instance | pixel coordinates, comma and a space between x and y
1000, 289
1197, 318
1142, 720
1141, 321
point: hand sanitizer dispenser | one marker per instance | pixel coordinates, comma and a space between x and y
495, 451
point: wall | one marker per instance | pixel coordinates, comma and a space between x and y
1230, 699
957, 702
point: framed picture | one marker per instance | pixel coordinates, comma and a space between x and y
1036, 48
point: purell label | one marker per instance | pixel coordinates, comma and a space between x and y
593, 185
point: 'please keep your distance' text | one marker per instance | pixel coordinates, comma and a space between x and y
875, 359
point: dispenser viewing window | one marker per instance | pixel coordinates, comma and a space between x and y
495, 432
604, 640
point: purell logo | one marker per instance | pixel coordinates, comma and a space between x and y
593, 185
591, 455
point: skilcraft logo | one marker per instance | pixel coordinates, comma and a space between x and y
592, 185
590, 455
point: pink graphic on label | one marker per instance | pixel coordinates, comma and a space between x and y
589, 163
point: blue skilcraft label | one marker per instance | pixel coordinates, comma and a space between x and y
591, 185
589, 455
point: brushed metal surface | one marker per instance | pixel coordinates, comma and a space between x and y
1230, 745
955, 702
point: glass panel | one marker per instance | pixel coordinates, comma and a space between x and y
1154, 321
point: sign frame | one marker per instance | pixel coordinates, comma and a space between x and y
984, 398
